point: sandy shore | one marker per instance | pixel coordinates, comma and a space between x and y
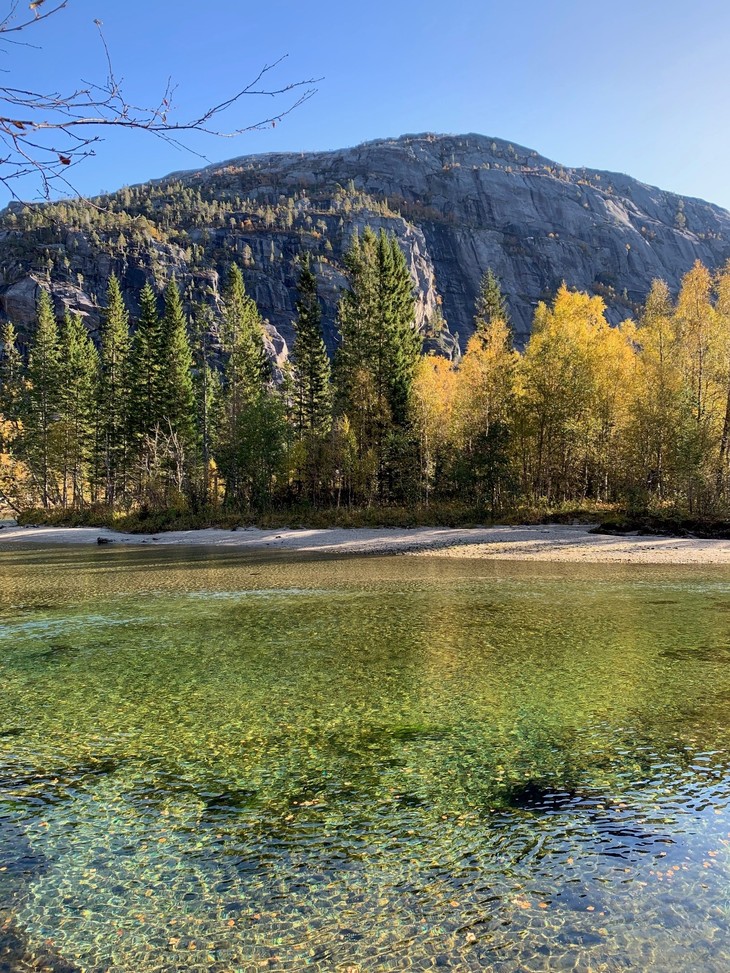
541, 543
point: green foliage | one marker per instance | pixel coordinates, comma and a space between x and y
177, 398
78, 378
377, 325
312, 379
246, 375
146, 366
207, 393
379, 350
242, 337
114, 395
491, 304
182, 422
43, 401
11, 375
309, 388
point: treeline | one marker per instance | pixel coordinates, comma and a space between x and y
185, 413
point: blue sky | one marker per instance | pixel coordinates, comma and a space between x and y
639, 86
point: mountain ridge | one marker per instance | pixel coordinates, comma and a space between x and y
439, 136
457, 203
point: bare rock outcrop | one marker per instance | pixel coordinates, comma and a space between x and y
458, 204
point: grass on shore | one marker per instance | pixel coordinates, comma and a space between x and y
603, 518
434, 515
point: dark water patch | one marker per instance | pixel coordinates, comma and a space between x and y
18, 955
227, 804
58, 653
20, 861
32, 608
25, 782
13, 731
538, 796
709, 653
418, 731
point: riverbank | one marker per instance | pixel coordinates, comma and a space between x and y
545, 542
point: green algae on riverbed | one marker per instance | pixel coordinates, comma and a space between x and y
233, 762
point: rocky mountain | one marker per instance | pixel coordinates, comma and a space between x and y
458, 204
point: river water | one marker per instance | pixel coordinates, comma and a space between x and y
235, 762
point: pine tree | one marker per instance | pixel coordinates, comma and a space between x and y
312, 391
491, 304
78, 376
356, 312
13, 471
248, 368
177, 397
114, 404
402, 340
43, 399
377, 325
146, 364
379, 350
11, 376
246, 375
207, 390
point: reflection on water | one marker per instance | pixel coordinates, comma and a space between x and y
225, 762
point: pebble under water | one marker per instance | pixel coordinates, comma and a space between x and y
232, 762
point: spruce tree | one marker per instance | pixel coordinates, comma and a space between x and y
403, 342
113, 399
246, 377
491, 304
312, 391
356, 312
379, 350
11, 376
43, 400
377, 324
380, 345
146, 364
248, 368
177, 397
78, 375
207, 390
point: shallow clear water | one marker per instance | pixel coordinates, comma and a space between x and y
227, 762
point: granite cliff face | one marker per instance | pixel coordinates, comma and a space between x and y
458, 204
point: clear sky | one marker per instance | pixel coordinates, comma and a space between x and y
639, 86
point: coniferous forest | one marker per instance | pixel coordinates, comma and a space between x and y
180, 412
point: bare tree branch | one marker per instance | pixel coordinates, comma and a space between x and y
47, 133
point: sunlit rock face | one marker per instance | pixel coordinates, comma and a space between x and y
458, 204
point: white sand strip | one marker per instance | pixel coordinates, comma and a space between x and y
538, 543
